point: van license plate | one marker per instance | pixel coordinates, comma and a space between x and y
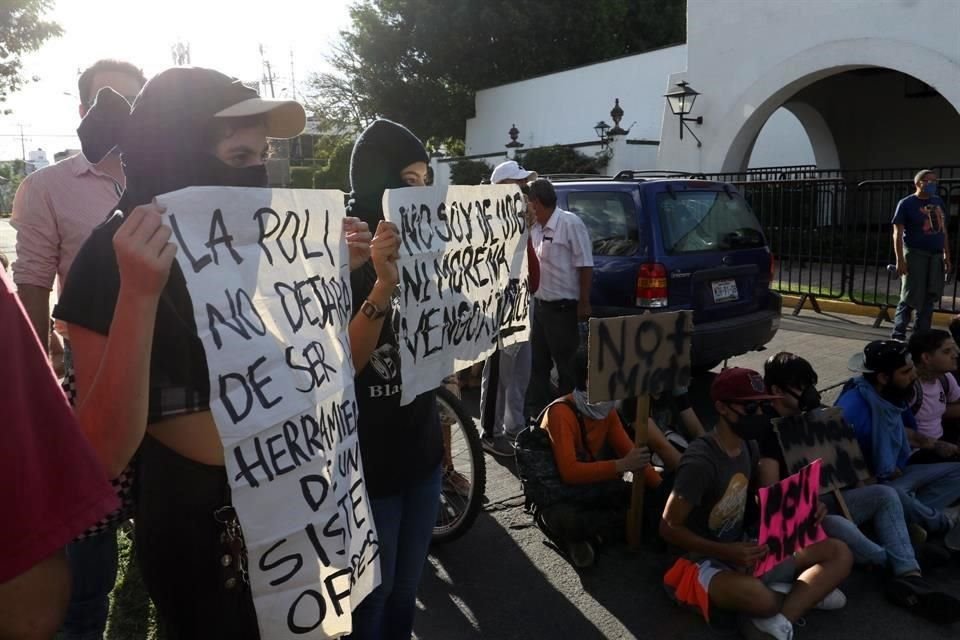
725, 290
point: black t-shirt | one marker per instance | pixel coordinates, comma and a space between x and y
717, 486
400, 445
179, 379
770, 448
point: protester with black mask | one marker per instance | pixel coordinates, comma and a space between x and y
875, 404
793, 379
705, 516
142, 379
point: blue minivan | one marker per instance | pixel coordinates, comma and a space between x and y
670, 243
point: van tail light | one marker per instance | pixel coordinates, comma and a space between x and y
652, 286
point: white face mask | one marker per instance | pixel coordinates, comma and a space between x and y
595, 411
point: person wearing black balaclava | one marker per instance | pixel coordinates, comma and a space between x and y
142, 380
875, 404
705, 517
401, 445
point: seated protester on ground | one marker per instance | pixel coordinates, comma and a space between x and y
704, 517
52, 486
793, 379
936, 395
591, 447
875, 405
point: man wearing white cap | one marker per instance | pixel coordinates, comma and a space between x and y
507, 372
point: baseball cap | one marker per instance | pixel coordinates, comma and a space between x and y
285, 118
881, 356
737, 384
510, 170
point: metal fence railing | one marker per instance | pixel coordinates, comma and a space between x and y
830, 230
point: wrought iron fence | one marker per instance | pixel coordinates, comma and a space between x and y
831, 233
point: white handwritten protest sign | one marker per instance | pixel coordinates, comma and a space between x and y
463, 278
268, 275
632, 356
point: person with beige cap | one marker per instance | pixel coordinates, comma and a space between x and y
142, 382
506, 373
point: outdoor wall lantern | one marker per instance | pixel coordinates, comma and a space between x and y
601, 129
681, 102
514, 133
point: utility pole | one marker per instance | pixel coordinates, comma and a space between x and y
268, 76
293, 78
23, 146
181, 54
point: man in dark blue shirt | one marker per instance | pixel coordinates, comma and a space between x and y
922, 252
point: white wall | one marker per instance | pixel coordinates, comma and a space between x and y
748, 57
562, 108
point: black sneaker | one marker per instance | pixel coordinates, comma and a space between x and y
916, 594
581, 554
498, 446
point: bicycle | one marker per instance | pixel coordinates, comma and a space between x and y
459, 508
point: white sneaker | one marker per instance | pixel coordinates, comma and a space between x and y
834, 600
776, 627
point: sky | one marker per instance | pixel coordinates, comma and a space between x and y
224, 35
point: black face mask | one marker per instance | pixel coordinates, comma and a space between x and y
808, 399
751, 427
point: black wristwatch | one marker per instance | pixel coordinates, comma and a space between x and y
371, 310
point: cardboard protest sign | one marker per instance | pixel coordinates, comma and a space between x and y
463, 278
268, 275
823, 434
788, 516
638, 355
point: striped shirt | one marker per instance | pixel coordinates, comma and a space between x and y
54, 211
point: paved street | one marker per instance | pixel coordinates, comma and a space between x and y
502, 581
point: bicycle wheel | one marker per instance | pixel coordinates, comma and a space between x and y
459, 500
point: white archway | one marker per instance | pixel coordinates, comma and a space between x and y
748, 113
825, 152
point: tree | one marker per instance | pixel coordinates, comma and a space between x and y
561, 159
22, 30
421, 61
469, 171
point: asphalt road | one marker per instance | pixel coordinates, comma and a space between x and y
502, 581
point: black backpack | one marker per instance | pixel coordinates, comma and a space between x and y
540, 478
918, 392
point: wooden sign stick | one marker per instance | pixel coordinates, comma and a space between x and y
843, 504
635, 514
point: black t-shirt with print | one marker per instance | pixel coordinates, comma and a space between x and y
400, 445
717, 486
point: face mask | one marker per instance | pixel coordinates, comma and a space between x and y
751, 427
808, 400
930, 188
595, 411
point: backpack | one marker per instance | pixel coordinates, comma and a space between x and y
918, 392
540, 477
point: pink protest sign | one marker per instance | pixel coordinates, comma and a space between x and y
788, 516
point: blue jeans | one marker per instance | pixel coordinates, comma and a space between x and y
404, 526
901, 319
925, 490
93, 565
879, 505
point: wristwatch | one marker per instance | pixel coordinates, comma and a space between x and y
371, 310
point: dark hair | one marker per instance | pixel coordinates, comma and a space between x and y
787, 369
955, 328
926, 341
923, 173
543, 192
580, 367
4, 261
85, 83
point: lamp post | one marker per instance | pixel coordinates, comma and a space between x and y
601, 129
681, 102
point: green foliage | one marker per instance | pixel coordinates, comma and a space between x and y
419, 62
301, 177
334, 169
22, 30
560, 159
469, 171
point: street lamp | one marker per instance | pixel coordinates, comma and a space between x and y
601, 129
681, 102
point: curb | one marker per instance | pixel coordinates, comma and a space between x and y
790, 302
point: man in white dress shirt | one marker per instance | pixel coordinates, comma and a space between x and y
562, 244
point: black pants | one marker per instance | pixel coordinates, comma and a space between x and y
179, 549
554, 340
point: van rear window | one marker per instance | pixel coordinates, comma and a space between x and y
692, 221
610, 218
